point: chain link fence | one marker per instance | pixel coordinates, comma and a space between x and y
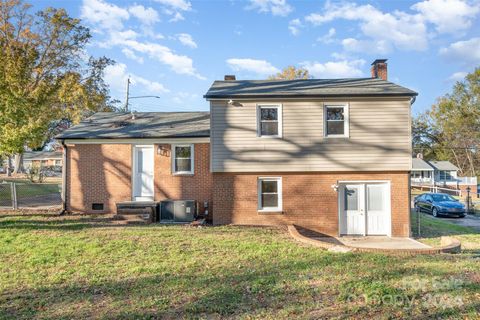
24, 194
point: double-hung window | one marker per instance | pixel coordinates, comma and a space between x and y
269, 120
445, 175
182, 160
336, 121
270, 194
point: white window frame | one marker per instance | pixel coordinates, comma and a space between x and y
346, 120
192, 159
279, 108
278, 208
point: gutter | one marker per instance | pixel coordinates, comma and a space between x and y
303, 96
412, 101
64, 179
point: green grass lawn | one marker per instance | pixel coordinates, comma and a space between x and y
26, 189
84, 267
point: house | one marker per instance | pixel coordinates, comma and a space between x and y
52, 159
440, 174
43, 159
331, 155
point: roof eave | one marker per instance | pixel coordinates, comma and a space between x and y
133, 137
300, 96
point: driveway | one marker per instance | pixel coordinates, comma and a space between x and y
468, 221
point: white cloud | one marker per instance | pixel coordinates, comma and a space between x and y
103, 14
99, 14
399, 29
131, 55
294, 26
180, 64
116, 76
449, 16
466, 52
355, 45
177, 17
177, 4
260, 67
328, 38
335, 69
275, 7
186, 40
458, 76
175, 7
147, 16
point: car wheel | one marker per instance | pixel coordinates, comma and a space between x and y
435, 212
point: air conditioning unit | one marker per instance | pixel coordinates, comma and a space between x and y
177, 210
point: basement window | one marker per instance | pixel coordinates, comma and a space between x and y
182, 160
270, 194
97, 206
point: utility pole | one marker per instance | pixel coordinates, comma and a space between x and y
127, 95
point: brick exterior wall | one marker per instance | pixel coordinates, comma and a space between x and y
184, 187
101, 173
309, 200
98, 173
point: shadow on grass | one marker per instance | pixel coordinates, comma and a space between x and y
230, 293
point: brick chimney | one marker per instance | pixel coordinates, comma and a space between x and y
229, 77
379, 69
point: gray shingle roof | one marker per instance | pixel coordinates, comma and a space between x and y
306, 88
118, 125
444, 165
420, 164
42, 155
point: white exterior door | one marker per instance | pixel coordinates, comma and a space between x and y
377, 209
353, 209
143, 173
365, 209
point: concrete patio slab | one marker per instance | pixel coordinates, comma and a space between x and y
376, 244
381, 242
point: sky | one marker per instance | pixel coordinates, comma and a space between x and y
175, 49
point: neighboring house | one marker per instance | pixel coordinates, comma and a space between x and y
330, 155
43, 159
53, 159
441, 174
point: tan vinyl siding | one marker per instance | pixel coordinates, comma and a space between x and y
379, 138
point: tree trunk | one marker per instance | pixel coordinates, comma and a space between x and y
18, 163
9, 166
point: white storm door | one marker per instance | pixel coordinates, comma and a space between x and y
353, 199
378, 209
143, 173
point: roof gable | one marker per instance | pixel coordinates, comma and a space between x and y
444, 165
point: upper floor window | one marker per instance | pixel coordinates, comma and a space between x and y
182, 162
336, 121
269, 120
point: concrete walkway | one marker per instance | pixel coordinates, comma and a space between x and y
377, 244
382, 242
